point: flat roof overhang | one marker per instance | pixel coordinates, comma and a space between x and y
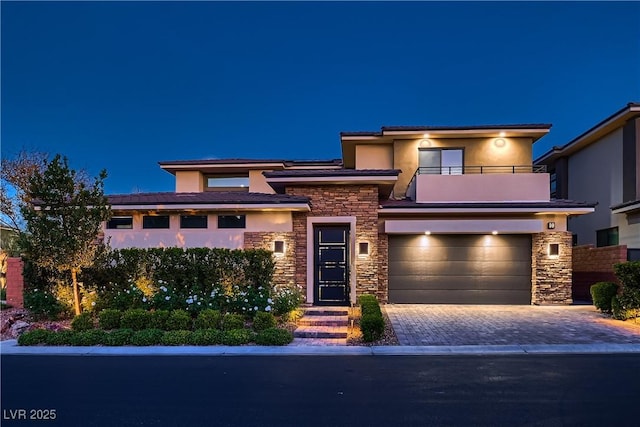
627, 207
384, 183
211, 207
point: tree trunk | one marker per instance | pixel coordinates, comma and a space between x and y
76, 291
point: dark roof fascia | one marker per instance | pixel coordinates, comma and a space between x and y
626, 205
222, 162
383, 129
559, 149
324, 173
407, 204
208, 198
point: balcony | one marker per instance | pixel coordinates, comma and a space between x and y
479, 184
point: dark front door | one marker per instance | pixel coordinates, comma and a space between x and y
331, 265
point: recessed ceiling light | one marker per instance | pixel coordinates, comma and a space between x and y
427, 233
502, 133
494, 232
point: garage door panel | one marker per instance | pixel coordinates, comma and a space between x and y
467, 297
465, 269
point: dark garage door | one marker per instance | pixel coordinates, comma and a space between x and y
460, 269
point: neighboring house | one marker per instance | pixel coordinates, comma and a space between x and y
411, 214
603, 165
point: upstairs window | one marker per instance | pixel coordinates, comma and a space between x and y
447, 161
120, 223
193, 221
155, 221
553, 185
227, 182
607, 237
232, 221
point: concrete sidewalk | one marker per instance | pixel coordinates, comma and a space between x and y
10, 347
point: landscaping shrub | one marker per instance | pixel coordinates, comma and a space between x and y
629, 275
89, 337
286, 299
136, 319
147, 337
62, 337
232, 321
273, 336
208, 319
177, 337
82, 322
158, 319
119, 337
178, 320
207, 337
236, 337
34, 337
109, 319
263, 320
371, 322
601, 293
39, 297
618, 311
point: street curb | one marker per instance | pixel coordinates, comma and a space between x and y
10, 347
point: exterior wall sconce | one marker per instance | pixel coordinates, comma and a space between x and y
278, 247
554, 250
499, 142
363, 249
551, 225
425, 143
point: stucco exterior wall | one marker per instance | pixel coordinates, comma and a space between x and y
379, 156
189, 182
194, 238
258, 183
477, 152
590, 180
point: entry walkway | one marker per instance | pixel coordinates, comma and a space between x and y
487, 325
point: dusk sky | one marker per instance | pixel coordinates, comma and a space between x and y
123, 85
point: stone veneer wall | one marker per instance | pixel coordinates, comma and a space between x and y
360, 201
285, 267
383, 268
551, 277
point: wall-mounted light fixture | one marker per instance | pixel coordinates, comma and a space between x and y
553, 251
551, 225
363, 249
278, 247
425, 143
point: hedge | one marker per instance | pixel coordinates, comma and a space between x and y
602, 293
371, 322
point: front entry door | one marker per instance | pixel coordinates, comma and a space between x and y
331, 265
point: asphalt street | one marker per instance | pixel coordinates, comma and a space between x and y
516, 390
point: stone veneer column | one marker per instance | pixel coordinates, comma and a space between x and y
383, 267
360, 201
551, 277
285, 266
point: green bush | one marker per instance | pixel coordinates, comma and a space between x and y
628, 273
232, 321
147, 337
273, 336
601, 293
237, 337
207, 337
177, 337
82, 322
136, 319
62, 337
263, 320
619, 312
118, 337
34, 337
158, 319
371, 322
286, 299
178, 320
89, 337
109, 319
208, 319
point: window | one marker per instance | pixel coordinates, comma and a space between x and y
441, 161
155, 221
120, 223
553, 185
193, 221
231, 221
607, 237
222, 183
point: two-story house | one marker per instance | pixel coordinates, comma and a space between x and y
603, 165
411, 214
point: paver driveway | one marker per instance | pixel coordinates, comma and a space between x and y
419, 324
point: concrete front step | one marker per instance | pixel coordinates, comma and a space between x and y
324, 321
321, 332
326, 311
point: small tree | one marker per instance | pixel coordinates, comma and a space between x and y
64, 219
